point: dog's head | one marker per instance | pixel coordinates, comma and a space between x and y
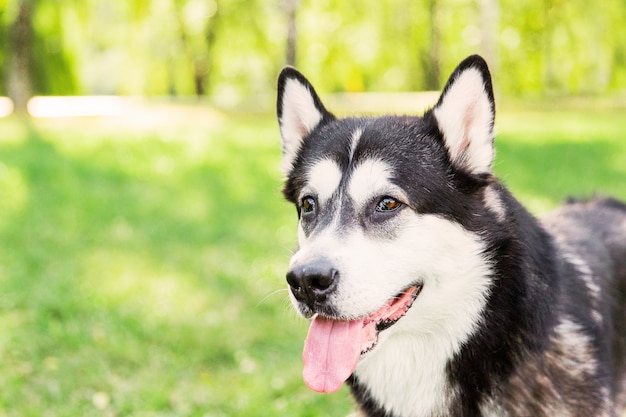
390, 214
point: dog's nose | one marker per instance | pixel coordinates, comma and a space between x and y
313, 282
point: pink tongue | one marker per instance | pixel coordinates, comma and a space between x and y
331, 352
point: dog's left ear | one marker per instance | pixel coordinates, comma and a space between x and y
465, 115
300, 111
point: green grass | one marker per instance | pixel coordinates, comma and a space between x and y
142, 268
548, 155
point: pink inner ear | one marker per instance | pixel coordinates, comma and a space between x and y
465, 116
468, 119
302, 130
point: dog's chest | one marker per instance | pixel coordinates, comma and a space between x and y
408, 377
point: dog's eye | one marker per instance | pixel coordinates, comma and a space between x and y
308, 205
388, 204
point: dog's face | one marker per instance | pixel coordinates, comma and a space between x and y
388, 235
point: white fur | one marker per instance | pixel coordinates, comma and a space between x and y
409, 375
356, 136
465, 117
300, 116
586, 275
576, 353
371, 178
494, 203
322, 180
492, 409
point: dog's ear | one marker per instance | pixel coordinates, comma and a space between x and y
299, 110
465, 115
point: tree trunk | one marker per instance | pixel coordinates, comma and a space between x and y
199, 74
210, 35
291, 7
19, 74
433, 60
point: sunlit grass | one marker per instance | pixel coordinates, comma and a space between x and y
144, 276
142, 265
550, 154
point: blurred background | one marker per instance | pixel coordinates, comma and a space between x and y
230, 51
143, 235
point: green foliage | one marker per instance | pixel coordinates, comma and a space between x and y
562, 46
54, 72
232, 50
141, 270
542, 45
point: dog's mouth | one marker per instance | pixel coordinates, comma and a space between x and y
333, 347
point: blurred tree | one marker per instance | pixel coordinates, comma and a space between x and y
291, 6
19, 44
34, 58
432, 61
198, 25
232, 50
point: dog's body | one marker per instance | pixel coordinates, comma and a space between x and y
432, 291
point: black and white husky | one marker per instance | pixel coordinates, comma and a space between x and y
430, 289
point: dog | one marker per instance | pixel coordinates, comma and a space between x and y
431, 290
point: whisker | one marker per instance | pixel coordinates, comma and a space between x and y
278, 291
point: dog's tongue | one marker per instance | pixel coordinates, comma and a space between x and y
333, 347
331, 352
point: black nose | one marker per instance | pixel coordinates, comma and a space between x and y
312, 283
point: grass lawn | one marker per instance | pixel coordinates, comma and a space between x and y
142, 264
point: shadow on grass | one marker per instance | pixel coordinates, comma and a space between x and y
140, 269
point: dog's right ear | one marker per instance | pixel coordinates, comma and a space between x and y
299, 110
